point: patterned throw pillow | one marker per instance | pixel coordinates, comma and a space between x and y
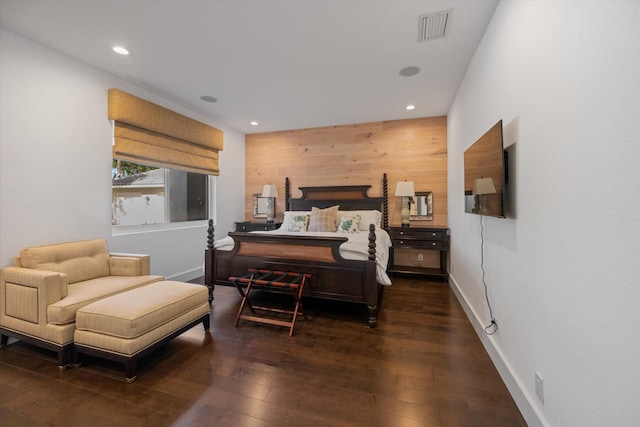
367, 217
323, 219
298, 223
349, 224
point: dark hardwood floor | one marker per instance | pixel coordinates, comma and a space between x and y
422, 365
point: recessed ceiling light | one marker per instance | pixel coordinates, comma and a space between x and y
254, 123
409, 71
207, 98
120, 50
410, 107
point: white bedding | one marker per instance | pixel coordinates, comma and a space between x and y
356, 248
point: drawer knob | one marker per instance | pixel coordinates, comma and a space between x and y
402, 242
433, 234
433, 244
402, 233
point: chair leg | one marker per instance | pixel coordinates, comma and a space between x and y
65, 357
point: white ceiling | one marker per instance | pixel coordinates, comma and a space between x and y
286, 64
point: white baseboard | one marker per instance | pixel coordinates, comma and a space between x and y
185, 276
522, 398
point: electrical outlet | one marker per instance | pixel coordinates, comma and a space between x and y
420, 257
539, 387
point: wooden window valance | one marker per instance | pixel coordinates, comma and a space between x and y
149, 134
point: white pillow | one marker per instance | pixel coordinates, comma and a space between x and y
289, 214
366, 217
349, 224
298, 223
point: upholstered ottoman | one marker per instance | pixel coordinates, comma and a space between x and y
130, 325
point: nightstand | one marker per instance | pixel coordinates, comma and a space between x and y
257, 226
420, 238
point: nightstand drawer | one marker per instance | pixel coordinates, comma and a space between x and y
419, 243
257, 226
420, 234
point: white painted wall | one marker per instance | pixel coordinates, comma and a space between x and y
563, 270
55, 161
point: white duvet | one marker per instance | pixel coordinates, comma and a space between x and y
356, 248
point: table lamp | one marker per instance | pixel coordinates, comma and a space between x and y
406, 191
270, 192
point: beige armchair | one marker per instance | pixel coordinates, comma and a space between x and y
40, 294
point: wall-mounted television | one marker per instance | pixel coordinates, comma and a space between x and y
485, 175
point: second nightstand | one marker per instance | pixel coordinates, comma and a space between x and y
257, 226
421, 238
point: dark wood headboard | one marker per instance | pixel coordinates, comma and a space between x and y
349, 197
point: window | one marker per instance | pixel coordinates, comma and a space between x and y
143, 195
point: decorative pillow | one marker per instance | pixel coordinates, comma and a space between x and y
298, 223
290, 214
349, 224
366, 217
323, 219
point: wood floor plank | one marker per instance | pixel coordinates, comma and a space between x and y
423, 365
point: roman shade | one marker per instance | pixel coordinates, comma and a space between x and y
152, 135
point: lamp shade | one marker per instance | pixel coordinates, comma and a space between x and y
405, 188
269, 190
483, 186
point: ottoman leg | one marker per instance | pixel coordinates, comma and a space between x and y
75, 358
130, 370
206, 322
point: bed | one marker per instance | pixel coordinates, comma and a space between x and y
338, 273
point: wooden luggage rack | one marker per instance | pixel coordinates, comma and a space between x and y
270, 281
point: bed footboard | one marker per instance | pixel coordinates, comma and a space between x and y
333, 277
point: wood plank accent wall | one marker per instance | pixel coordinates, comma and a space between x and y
413, 150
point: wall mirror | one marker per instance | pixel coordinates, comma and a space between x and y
421, 206
260, 206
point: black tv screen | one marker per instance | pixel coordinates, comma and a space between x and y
485, 175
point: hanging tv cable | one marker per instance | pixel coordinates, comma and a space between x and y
493, 326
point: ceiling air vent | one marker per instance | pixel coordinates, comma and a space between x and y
433, 26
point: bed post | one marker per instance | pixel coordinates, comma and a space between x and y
385, 204
372, 242
209, 262
373, 308
286, 194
